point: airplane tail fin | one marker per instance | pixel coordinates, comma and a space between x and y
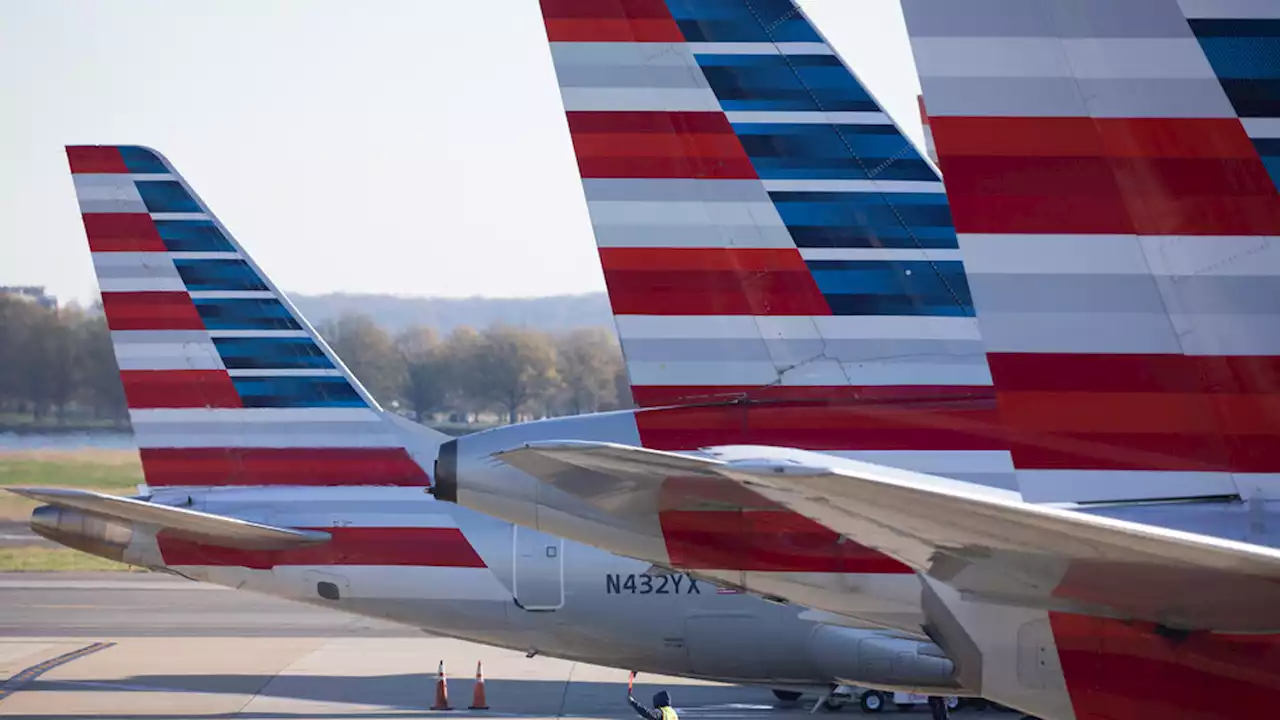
1112, 170
769, 236
226, 382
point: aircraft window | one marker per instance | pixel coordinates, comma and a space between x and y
551, 551
328, 591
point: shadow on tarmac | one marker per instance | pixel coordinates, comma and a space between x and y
395, 694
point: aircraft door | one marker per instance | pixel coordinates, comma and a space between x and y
538, 561
726, 644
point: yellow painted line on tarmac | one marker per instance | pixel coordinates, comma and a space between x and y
18, 681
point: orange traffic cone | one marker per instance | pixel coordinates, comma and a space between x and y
442, 691
477, 696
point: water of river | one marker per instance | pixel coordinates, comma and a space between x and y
67, 441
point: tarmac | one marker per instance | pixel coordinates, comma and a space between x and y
130, 645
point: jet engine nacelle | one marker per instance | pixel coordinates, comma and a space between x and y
467, 474
83, 531
881, 661
112, 538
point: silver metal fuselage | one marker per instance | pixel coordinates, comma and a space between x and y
535, 592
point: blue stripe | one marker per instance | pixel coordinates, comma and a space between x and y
1253, 98
296, 392
271, 354
141, 161
201, 275
849, 152
894, 287
1269, 150
1252, 57
816, 140
192, 236
738, 21
774, 82
1245, 55
166, 196
245, 314
867, 220
1235, 27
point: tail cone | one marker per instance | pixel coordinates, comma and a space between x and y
478, 701
442, 690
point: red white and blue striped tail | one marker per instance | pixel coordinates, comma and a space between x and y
226, 382
768, 234
1112, 169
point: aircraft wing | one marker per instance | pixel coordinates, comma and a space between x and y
626, 481
988, 545
177, 522
1010, 552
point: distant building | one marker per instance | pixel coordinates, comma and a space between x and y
30, 293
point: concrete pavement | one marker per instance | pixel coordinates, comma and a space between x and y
176, 649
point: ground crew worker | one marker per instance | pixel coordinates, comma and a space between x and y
662, 709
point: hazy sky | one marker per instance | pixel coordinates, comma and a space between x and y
413, 146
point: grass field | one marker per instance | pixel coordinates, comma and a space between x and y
38, 559
110, 471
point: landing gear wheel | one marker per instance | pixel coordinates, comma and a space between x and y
787, 696
872, 701
834, 703
953, 703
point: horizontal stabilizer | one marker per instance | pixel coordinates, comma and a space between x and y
177, 522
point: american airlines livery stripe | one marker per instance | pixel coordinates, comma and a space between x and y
226, 384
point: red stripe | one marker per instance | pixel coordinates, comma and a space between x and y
710, 281
1092, 137
150, 311
1172, 452
608, 9
424, 547
1140, 412
1061, 175
631, 30
665, 395
657, 145
765, 541
1049, 372
703, 259
95, 159
609, 21
179, 389
1123, 670
746, 292
315, 467
1027, 215
122, 232
826, 426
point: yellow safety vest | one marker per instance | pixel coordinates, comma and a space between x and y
669, 713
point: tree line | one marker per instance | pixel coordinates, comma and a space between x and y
57, 366
515, 372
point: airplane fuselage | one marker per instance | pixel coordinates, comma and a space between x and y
401, 555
